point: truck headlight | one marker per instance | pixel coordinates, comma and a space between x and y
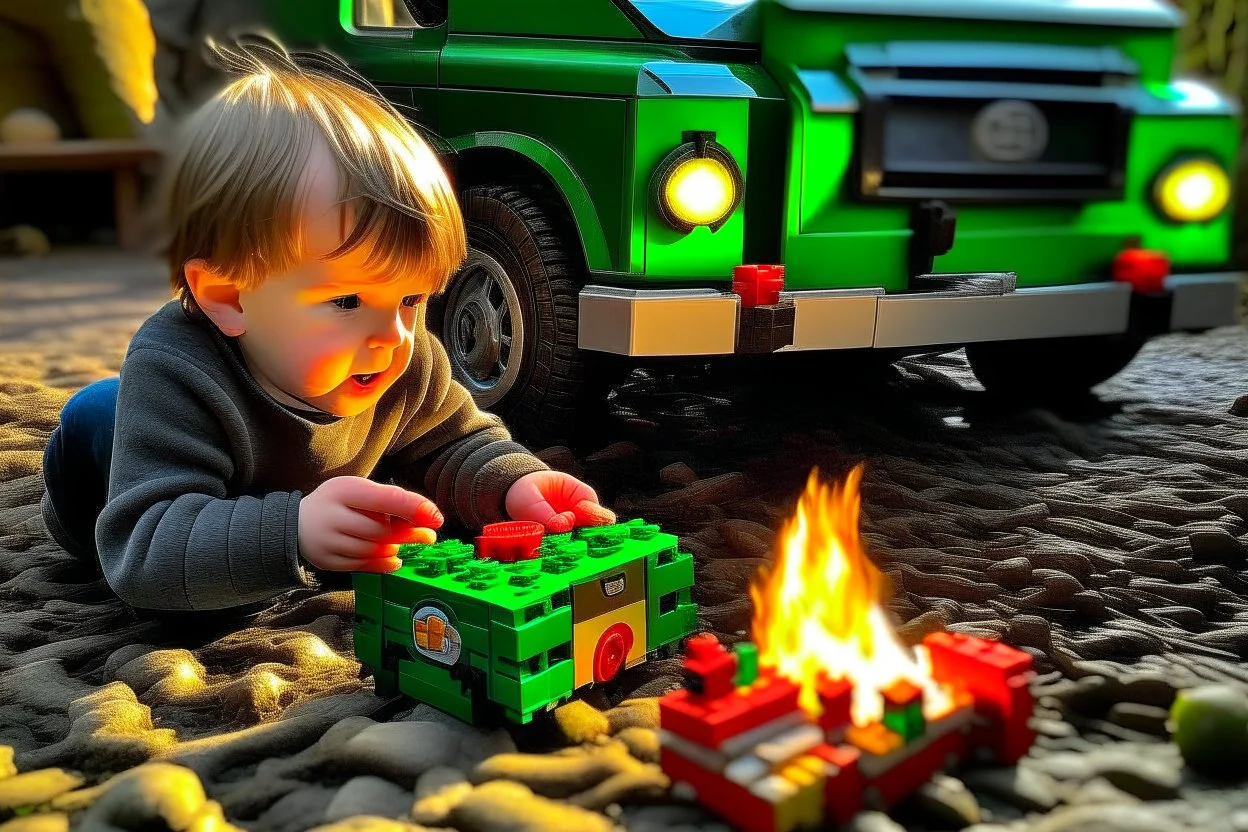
1192, 190
698, 183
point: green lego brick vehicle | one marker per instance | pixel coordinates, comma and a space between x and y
482, 636
1021, 177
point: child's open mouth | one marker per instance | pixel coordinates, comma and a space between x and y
365, 379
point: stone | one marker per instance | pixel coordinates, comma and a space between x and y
642, 743
644, 785
402, 751
369, 823
300, 809
368, 796
581, 722
7, 769
947, 803
502, 806
558, 776
872, 822
35, 787
634, 713
677, 475
1026, 788
438, 778
1104, 818
1239, 407
1148, 776
152, 794
434, 809
1216, 546
672, 817
1098, 790
1147, 771
1055, 728
1146, 718
41, 822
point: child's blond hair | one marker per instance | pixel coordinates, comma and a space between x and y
233, 190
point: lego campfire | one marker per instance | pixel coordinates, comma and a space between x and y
827, 712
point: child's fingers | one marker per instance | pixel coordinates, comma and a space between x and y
383, 565
561, 522
590, 513
367, 495
404, 533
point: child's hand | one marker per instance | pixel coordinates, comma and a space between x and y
557, 500
352, 524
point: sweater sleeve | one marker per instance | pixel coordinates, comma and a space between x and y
454, 453
170, 537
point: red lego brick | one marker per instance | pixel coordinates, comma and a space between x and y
510, 541
836, 696
711, 721
842, 793
758, 285
711, 669
997, 677
1145, 270
916, 768
747, 811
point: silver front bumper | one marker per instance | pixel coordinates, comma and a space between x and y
673, 322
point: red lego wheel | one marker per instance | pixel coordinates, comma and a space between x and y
611, 651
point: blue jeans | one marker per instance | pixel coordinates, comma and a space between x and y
75, 475
76, 465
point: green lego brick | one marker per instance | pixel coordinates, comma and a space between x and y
399, 619
540, 635
669, 577
366, 583
368, 609
525, 696
426, 683
368, 643
666, 625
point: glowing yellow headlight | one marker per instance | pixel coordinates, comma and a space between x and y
1195, 190
700, 191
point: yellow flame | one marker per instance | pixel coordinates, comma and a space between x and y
818, 610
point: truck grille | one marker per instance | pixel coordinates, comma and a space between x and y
995, 128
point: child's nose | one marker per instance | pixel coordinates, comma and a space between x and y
388, 332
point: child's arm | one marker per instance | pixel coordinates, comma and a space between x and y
170, 537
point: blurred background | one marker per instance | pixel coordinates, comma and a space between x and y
120, 73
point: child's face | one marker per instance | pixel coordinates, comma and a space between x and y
327, 333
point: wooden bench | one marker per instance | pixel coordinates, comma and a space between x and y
124, 157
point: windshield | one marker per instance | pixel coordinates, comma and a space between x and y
701, 19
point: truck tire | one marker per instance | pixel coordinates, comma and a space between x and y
1050, 369
508, 318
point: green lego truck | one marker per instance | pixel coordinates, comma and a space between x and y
1021, 177
482, 637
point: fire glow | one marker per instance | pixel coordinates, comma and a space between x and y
818, 612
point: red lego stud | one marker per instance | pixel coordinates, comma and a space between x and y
611, 651
758, 285
511, 541
710, 669
1145, 270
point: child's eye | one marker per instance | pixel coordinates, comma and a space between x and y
347, 302
413, 300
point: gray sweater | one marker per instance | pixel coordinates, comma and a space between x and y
208, 470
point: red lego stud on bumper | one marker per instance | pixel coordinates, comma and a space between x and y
758, 285
1145, 270
511, 541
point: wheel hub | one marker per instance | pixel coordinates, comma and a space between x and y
484, 329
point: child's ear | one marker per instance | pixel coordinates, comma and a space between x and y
216, 295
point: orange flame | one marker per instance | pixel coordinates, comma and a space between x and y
818, 610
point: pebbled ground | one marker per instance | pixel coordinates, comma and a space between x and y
1107, 538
